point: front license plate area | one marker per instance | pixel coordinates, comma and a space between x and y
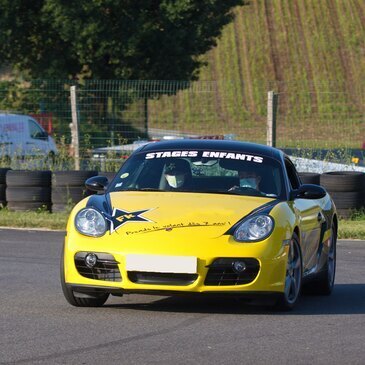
163, 264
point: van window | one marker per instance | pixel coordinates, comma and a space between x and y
35, 130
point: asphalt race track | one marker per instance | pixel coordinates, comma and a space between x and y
38, 326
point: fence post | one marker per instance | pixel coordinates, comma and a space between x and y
272, 103
146, 115
74, 126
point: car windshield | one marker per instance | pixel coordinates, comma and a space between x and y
201, 171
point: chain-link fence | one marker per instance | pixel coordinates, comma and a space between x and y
115, 112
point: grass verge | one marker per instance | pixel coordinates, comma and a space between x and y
352, 229
349, 229
45, 220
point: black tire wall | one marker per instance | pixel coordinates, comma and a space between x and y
28, 190
68, 188
3, 172
347, 189
310, 178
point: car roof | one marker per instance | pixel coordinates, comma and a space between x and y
14, 116
221, 145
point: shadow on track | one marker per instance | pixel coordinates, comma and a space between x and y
345, 299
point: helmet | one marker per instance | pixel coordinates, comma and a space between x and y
177, 173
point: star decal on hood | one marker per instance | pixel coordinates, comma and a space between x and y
121, 217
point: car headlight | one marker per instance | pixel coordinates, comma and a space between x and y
254, 229
90, 222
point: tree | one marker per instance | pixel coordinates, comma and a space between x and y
111, 39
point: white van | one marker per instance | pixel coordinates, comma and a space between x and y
21, 136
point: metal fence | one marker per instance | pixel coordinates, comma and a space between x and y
113, 112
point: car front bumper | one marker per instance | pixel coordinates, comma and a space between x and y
264, 266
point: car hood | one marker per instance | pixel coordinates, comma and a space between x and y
147, 212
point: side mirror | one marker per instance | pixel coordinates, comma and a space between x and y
309, 191
97, 183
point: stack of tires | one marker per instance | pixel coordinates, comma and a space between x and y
3, 172
68, 188
108, 174
347, 189
310, 178
28, 190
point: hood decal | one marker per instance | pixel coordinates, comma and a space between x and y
120, 217
172, 226
116, 217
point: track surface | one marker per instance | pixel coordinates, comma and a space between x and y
37, 325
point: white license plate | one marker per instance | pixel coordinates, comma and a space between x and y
157, 263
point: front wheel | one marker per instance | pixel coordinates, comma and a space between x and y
83, 300
293, 277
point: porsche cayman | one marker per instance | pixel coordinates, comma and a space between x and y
201, 216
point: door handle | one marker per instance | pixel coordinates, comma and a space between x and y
320, 217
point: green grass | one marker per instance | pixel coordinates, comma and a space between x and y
44, 220
348, 229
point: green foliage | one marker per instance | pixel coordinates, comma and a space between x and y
123, 39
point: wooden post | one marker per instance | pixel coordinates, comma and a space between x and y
75, 128
272, 103
146, 115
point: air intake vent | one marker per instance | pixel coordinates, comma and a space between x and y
157, 278
222, 271
105, 268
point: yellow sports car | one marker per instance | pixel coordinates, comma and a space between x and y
201, 216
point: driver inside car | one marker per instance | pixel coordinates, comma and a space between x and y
178, 174
247, 179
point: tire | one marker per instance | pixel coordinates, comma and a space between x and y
293, 279
345, 213
309, 178
324, 283
28, 206
90, 301
28, 178
2, 192
348, 199
60, 208
109, 175
3, 173
68, 195
343, 181
25, 194
71, 178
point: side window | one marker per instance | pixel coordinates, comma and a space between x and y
292, 174
35, 130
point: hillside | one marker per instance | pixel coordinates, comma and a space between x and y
310, 51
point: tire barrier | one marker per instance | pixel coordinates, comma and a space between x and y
107, 174
347, 189
23, 190
28, 190
310, 178
68, 188
3, 172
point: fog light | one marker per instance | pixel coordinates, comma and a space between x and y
239, 267
90, 260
